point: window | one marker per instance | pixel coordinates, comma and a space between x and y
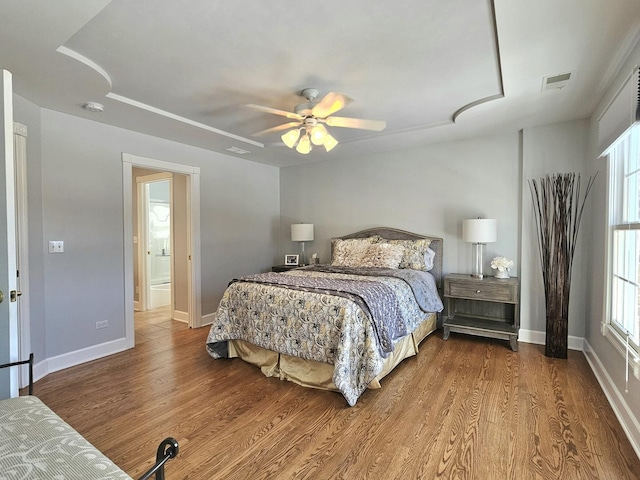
624, 201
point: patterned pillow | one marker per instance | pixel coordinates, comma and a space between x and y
382, 255
349, 253
414, 253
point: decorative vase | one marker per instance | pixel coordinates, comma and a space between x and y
558, 206
504, 274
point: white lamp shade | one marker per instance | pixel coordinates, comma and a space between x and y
480, 230
302, 232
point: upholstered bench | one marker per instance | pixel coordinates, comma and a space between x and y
35, 443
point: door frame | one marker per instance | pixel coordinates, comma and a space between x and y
22, 248
143, 237
8, 218
194, 288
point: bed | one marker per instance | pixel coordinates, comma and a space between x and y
341, 326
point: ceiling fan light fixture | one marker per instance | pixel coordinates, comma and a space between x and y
304, 145
318, 134
291, 137
329, 142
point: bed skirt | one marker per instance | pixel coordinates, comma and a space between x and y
313, 374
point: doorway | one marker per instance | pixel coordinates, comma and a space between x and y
155, 239
185, 275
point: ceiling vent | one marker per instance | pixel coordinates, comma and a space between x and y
553, 82
237, 150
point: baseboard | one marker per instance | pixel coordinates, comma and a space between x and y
620, 407
71, 359
207, 319
538, 338
181, 316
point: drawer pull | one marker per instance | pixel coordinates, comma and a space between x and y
477, 291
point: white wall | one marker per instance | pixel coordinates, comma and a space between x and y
82, 205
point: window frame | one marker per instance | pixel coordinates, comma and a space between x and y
611, 329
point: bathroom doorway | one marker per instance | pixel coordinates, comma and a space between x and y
184, 242
156, 239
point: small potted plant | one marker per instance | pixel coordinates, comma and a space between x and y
502, 265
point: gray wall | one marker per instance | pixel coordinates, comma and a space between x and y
608, 359
427, 190
557, 148
81, 203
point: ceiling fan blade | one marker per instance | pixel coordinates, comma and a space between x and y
279, 128
331, 103
284, 113
376, 125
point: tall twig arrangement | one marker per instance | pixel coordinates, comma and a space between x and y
558, 207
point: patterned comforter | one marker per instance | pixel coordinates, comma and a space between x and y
320, 324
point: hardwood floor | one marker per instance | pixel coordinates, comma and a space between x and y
467, 408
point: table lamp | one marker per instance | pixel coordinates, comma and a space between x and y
302, 232
479, 231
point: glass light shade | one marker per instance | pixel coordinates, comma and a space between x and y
302, 232
304, 145
318, 133
291, 137
329, 142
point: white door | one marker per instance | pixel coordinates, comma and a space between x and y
8, 273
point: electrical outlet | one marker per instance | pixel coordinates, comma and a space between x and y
56, 246
102, 324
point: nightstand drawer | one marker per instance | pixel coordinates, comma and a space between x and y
493, 292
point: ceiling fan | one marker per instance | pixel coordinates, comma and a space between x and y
309, 117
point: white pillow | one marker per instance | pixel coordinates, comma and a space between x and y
429, 255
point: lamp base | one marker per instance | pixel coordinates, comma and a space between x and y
303, 261
478, 260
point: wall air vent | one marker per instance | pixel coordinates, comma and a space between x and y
552, 82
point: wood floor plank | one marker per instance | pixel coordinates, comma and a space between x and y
466, 408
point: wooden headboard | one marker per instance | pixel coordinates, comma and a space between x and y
395, 234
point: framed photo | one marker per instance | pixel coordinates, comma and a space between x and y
291, 259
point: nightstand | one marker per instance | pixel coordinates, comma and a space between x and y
486, 307
283, 268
